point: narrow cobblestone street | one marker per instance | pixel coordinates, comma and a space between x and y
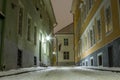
66, 73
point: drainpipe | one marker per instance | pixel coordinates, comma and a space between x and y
2, 15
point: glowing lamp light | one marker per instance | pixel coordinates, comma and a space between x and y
48, 38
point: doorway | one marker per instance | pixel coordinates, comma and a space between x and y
19, 59
40, 51
110, 56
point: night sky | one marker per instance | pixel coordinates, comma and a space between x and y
62, 13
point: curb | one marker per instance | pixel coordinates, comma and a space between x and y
105, 70
20, 73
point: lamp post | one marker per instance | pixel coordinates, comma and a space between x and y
48, 38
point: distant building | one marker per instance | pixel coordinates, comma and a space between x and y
98, 25
24, 26
65, 46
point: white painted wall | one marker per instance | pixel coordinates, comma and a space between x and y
69, 48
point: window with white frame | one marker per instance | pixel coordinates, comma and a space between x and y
66, 41
108, 18
89, 42
66, 55
85, 41
100, 59
86, 62
99, 29
91, 37
91, 61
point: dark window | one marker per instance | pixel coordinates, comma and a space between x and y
35, 60
100, 60
86, 63
108, 15
108, 18
66, 42
90, 4
20, 21
29, 27
35, 35
91, 61
83, 64
99, 29
91, 37
66, 55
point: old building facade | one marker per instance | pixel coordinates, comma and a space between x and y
65, 46
24, 25
99, 32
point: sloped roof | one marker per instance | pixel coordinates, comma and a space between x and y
66, 30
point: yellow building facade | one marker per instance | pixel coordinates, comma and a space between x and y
99, 32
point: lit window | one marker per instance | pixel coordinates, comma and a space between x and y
66, 55
20, 24
66, 42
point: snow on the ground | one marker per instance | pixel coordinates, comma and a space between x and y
14, 71
66, 73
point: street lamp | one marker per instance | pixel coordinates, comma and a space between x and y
48, 38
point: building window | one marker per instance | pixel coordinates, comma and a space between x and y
86, 62
119, 9
35, 60
108, 19
66, 42
66, 55
90, 4
91, 61
20, 24
99, 34
83, 63
91, 37
35, 35
29, 30
100, 59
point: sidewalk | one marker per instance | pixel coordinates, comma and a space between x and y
20, 71
111, 69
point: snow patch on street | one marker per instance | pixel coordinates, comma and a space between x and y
66, 73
